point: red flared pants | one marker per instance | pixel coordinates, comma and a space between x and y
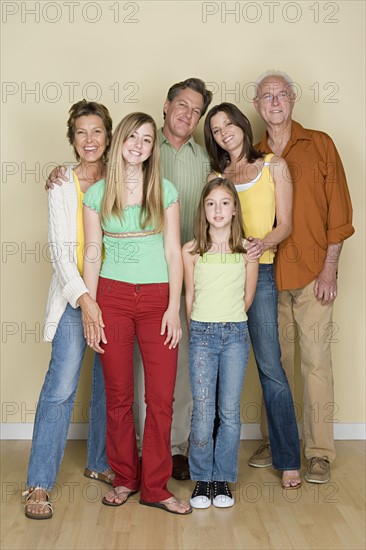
130, 310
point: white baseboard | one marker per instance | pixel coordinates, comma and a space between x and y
24, 430
19, 430
342, 431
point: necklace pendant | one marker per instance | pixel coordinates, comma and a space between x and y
131, 193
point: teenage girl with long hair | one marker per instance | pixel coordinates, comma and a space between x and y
136, 214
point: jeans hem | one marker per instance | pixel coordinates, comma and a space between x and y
99, 469
44, 486
223, 478
283, 469
200, 478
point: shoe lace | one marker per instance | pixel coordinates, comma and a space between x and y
202, 487
221, 488
261, 449
322, 461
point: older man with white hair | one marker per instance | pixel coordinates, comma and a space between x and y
306, 265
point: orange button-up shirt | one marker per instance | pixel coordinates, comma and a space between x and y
322, 209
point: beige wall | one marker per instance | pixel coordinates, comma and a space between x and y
132, 62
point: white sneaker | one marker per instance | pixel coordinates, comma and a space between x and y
201, 496
222, 497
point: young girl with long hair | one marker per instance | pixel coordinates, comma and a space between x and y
219, 289
136, 214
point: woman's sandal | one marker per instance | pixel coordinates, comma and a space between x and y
33, 500
118, 495
288, 480
164, 505
100, 476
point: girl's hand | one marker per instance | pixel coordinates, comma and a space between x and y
93, 324
171, 324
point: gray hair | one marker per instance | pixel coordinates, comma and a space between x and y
274, 73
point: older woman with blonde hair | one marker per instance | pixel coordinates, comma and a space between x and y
89, 130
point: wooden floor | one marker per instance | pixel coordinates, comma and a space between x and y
330, 516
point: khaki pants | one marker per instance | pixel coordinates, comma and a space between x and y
182, 406
302, 318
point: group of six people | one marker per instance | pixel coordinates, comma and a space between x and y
128, 205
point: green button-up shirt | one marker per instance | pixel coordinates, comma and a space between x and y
188, 169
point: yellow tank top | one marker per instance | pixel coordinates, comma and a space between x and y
258, 206
219, 284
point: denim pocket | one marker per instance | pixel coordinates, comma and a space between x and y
201, 328
200, 334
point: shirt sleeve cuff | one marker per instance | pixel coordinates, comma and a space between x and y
339, 234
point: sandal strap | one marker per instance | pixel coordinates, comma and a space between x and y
28, 493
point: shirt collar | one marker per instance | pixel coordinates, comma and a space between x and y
297, 133
191, 142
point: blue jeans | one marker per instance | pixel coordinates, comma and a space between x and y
216, 351
56, 402
263, 330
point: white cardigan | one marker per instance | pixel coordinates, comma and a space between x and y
66, 285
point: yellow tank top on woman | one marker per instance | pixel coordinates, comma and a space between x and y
258, 206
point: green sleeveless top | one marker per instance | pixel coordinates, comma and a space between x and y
219, 281
132, 254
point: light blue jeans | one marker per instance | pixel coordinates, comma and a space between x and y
56, 403
263, 329
216, 351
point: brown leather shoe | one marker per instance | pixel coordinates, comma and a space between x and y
180, 468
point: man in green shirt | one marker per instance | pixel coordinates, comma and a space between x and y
185, 163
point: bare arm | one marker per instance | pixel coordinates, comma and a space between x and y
325, 287
91, 313
170, 322
283, 196
188, 263
251, 278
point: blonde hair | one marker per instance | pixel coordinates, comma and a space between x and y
203, 241
113, 203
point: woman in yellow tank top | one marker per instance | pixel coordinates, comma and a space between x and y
265, 192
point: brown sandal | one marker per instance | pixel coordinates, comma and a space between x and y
99, 476
32, 500
291, 487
